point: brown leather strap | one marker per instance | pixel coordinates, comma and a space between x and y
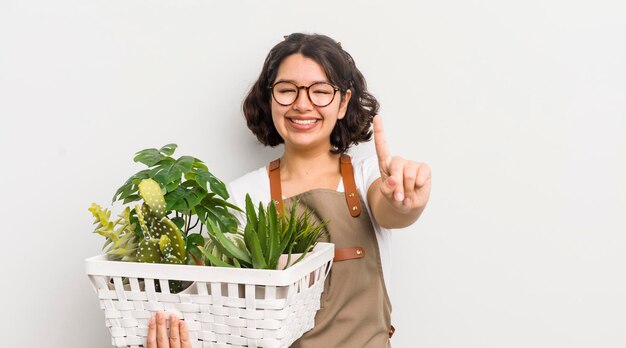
392, 330
343, 254
349, 186
347, 175
275, 188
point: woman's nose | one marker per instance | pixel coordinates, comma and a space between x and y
303, 103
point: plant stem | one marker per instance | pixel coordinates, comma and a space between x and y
194, 225
187, 221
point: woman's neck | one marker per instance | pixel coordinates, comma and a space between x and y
305, 171
298, 165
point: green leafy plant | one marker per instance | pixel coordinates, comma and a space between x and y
266, 236
170, 194
190, 189
175, 192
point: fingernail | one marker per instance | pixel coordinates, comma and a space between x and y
407, 201
398, 196
152, 321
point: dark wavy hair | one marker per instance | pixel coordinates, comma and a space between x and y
340, 70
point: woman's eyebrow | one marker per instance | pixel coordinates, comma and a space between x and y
296, 83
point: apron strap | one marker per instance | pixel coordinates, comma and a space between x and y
349, 186
275, 188
343, 254
347, 175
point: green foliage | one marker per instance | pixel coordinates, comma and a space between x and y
307, 233
192, 242
177, 191
188, 187
216, 250
121, 241
267, 235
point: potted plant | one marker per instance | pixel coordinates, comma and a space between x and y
267, 239
176, 192
174, 199
179, 195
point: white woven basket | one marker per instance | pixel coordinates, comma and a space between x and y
223, 307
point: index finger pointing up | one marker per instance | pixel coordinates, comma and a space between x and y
382, 152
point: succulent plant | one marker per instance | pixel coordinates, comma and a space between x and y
163, 241
121, 241
151, 193
267, 235
237, 238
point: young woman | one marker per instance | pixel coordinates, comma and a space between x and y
311, 97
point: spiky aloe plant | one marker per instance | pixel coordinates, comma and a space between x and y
267, 235
215, 250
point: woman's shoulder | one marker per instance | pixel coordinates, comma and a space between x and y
365, 170
365, 162
254, 183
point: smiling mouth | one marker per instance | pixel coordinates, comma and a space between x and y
303, 122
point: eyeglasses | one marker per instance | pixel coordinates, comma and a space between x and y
320, 93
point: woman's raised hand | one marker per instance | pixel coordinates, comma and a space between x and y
405, 184
157, 332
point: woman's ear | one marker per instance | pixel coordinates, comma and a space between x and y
343, 106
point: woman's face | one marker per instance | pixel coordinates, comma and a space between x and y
302, 125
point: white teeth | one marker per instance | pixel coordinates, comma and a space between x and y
303, 121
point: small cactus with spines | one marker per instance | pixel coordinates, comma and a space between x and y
149, 251
151, 193
163, 240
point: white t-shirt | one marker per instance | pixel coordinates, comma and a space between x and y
257, 185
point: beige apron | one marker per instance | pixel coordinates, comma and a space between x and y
355, 308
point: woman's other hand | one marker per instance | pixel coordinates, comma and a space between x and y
157, 332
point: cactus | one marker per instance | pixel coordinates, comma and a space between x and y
142, 223
151, 193
163, 241
149, 251
167, 250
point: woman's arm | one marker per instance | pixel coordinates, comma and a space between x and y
399, 196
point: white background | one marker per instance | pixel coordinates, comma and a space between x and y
517, 106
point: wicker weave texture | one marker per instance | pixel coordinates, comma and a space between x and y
218, 312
